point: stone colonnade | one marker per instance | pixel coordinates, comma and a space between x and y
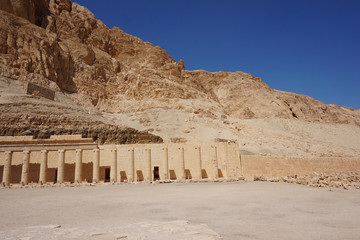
43, 167
131, 164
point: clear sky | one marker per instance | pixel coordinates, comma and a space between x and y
310, 47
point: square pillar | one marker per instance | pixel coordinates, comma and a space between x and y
78, 166
131, 171
96, 165
43, 167
25, 168
7, 169
113, 167
148, 164
166, 162
182, 163
215, 162
61, 166
198, 162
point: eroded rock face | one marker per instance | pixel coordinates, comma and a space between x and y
62, 46
29, 110
37, 57
20, 8
66, 121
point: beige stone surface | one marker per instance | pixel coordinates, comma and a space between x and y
16, 138
220, 159
249, 210
272, 166
66, 137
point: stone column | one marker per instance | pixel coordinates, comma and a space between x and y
113, 166
148, 164
25, 168
96, 165
215, 163
43, 167
198, 162
78, 166
182, 163
166, 163
61, 166
7, 169
131, 171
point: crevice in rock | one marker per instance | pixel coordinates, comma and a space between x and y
292, 113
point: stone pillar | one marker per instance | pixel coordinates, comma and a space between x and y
113, 166
96, 165
198, 162
78, 166
7, 169
215, 163
25, 168
166, 163
148, 165
131, 172
182, 163
61, 166
43, 167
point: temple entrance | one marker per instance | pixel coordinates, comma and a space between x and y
156, 173
56, 174
107, 174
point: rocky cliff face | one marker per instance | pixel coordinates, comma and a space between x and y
62, 46
32, 114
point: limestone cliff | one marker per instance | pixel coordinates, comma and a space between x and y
62, 46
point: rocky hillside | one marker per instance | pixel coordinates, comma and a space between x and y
34, 115
61, 46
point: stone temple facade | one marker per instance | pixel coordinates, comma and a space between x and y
73, 159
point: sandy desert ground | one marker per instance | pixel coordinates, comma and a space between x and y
238, 210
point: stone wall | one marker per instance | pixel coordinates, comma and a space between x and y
272, 166
177, 161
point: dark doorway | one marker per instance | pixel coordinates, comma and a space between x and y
220, 174
15, 178
172, 174
188, 174
55, 178
204, 173
139, 175
156, 173
107, 174
123, 176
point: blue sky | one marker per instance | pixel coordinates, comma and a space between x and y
310, 47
